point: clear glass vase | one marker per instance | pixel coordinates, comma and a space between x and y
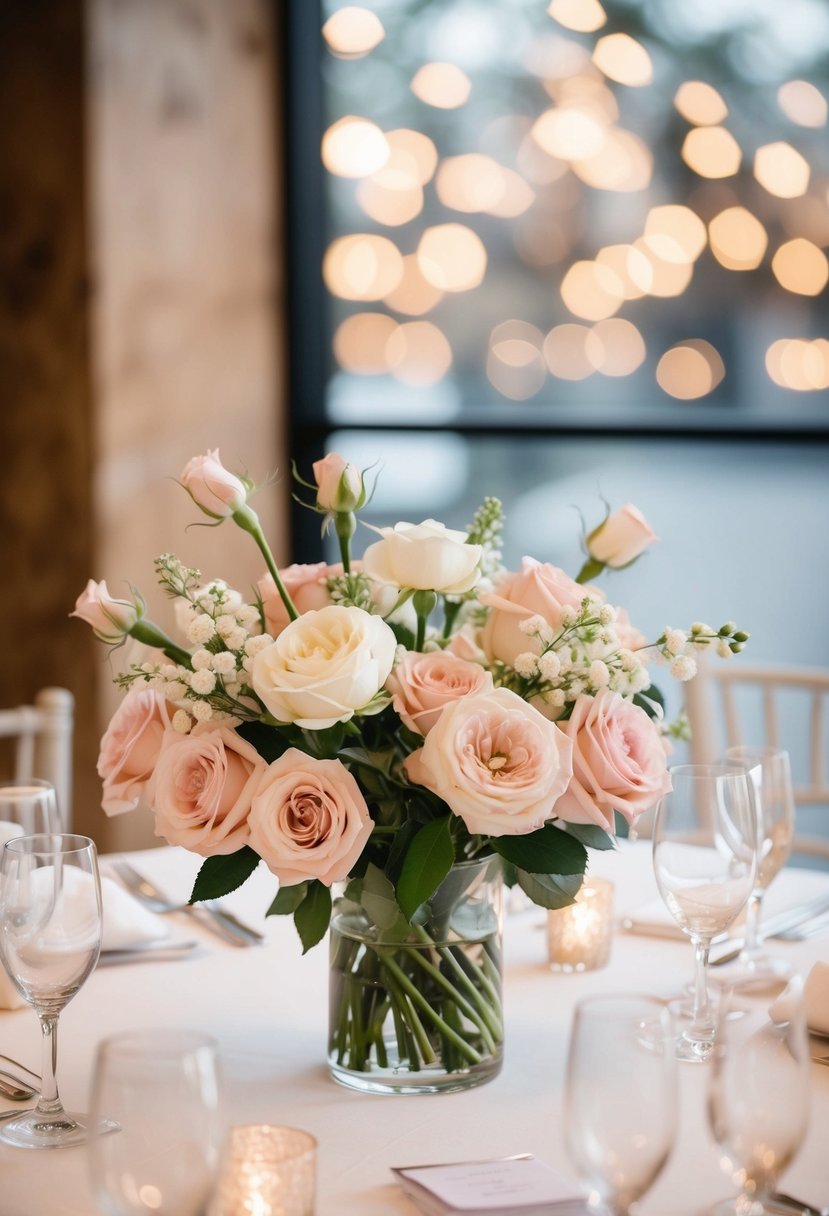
420, 1013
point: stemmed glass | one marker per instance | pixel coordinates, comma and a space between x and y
27, 808
705, 875
620, 1097
758, 1099
160, 1089
50, 939
770, 772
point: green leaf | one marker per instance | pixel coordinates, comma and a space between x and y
379, 762
221, 875
324, 744
547, 851
591, 569
269, 741
287, 900
313, 914
550, 890
429, 859
381, 904
651, 700
591, 835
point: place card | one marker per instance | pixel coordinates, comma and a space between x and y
517, 1186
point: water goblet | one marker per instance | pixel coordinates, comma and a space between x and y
50, 939
27, 808
705, 874
620, 1097
758, 1097
770, 771
160, 1090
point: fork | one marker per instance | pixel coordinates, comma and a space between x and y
208, 912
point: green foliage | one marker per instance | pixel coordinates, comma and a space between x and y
428, 860
590, 835
550, 890
287, 900
219, 876
546, 851
313, 914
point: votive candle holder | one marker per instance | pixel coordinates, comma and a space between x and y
579, 936
266, 1171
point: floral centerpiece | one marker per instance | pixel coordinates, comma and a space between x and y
391, 736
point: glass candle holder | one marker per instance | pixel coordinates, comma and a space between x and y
266, 1171
579, 936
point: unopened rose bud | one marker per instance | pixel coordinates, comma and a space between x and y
340, 487
623, 537
216, 491
111, 619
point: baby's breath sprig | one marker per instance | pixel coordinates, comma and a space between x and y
351, 590
178, 580
677, 646
485, 530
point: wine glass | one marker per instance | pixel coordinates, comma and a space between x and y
758, 1098
770, 772
705, 875
620, 1097
27, 808
50, 939
160, 1089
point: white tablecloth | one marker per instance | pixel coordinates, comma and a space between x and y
267, 1006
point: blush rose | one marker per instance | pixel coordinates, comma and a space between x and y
111, 619
422, 685
308, 819
538, 589
623, 537
130, 748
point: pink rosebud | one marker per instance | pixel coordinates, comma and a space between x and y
111, 619
216, 491
339, 485
623, 537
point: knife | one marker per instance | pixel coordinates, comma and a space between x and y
149, 952
781, 923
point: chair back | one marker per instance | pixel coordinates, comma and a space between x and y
729, 705
42, 737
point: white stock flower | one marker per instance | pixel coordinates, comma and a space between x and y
549, 665
175, 690
236, 639
200, 659
255, 644
202, 711
223, 663
203, 682
225, 624
684, 668
201, 629
182, 722
526, 664
599, 674
675, 640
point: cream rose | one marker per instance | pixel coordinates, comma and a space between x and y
623, 537
110, 619
210, 485
308, 819
426, 556
619, 761
339, 484
538, 589
324, 666
202, 788
130, 748
422, 685
496, 762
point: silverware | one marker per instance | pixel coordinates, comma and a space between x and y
147, 952
17, 1071
797, 1206
776, 926
14, 1090
208, 912
12, 1114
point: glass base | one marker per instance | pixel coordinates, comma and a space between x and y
31, 1129
695, 1051
745, 1205
426, 1080
761, 970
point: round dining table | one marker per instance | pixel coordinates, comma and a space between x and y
266, 1006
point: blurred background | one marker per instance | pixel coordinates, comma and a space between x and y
560, 253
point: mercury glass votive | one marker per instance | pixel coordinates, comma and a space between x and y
579, 936
266, 1171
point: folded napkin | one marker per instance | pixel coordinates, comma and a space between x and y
126, 924
653, 920
816, 994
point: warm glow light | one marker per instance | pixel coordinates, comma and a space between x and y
592, 290
781, 170
538, 166
518, 196
675, 233
569, 133
568, 350
360, 343
442, 85
625, 164
352, 32
799, 365
473, 182
690, 370
419, 353
631, 266
623, 59
582, 16
618, 348
452, 257
354, 147
711, 152
801, 267
667, 279
588, 93
387, 203
803, 103
362, 267
413, 148
738, 239
700, 104
515, 365
413, 295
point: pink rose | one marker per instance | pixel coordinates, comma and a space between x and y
308, 819
496, 762
307, 585
218, 492
111, 619
623, 536
339, 484
628, 635
202, 788
130, 748
538, 590
619, 761
422, 685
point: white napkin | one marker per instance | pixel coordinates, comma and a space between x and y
817, 998
8, 831
654, 920
126, 924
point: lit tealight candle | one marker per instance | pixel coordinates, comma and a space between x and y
579, 936
266, 1171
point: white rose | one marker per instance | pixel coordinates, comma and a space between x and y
324, 666
426, 556
622, 537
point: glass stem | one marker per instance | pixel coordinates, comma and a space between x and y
752, 933
49, 1102
701, 1022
